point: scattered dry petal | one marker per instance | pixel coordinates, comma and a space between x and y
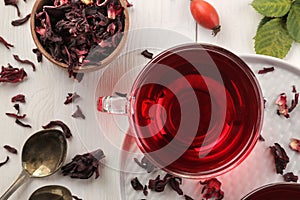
5, 43
280, 157
5, 161
84, 166
39, 55
17, 58
266, 70
290, 177
71, 98
19, 22
295, 144
186, 197
136, 184
212, 189
281, 102
13, 3
18, 98
62, 125
147, 54
12, 75
22, 124
16, 116
10, 149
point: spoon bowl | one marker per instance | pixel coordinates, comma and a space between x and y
42, 155
51, 192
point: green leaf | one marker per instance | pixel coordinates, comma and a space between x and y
293, 22
272, 8
263, 21
273, 39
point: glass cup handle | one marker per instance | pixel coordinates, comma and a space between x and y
113, 104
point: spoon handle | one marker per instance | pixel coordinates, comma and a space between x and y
18, 182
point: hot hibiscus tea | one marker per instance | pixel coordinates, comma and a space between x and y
196, 110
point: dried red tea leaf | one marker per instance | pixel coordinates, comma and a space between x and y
13, 3
294, 90
78, 113
295, 144
19, 22
18, 98
5, 161
290, 177
261, 138
16, 116
136, 184
294, 102
186, 197
147, 54
10, 149
62, 125
5, 43
280, 157
39, 55
128, 4
22, 124
157, 184
84, 166
266, 70
76, 198
212, 189
174, 182
145, 164
12, 75
71, 98
281, 102
145, 190
28, 62
17, 107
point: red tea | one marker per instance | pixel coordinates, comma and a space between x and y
276, 192
196, 110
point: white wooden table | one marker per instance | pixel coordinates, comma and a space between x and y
46, 88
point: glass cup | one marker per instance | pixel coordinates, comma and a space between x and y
275, 191
196, 110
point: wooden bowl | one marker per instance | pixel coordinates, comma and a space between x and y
38, 6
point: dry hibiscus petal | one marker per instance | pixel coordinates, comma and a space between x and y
38, 54
62, 125
266, 70
281, 102
147, 54
280, 157
186, 197
71, 98
4, 162
12, 75
174, 182
19, 22
17, 58
10, 149
136, 184
18, 98
22, 124
5, 43
157, 184
13, 3
290, 177
84, 166
295, 144
212, 189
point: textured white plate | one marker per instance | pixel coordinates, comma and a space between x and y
258, 169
